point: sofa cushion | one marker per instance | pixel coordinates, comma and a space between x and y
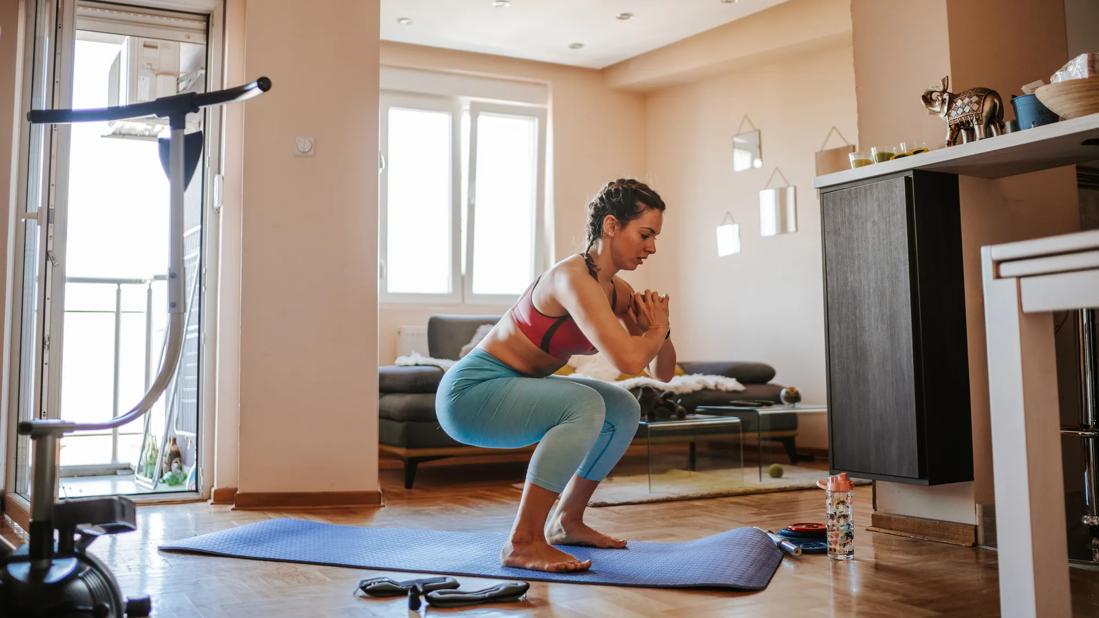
446, 334
412, 379
745, 372
415, 407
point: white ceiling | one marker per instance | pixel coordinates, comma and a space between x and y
544, 29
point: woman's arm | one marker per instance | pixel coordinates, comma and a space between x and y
586, 302
663, 366
626, 313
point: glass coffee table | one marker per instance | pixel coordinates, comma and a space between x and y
759, 413
693, 428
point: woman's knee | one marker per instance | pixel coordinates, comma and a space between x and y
586, 408
623, 410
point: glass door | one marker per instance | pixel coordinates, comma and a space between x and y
98, 258
37, 142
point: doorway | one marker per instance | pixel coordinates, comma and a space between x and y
92, 254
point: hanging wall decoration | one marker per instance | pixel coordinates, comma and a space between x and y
728, 236
833, 159
747, 147
778, 207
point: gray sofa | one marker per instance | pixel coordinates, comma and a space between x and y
409, 429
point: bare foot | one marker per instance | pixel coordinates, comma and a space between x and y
560, 532
538, 555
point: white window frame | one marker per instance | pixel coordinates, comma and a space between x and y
476, 108
461, 260
433, 103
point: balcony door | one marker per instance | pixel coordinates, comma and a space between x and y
90, 312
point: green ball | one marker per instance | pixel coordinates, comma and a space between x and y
775, 471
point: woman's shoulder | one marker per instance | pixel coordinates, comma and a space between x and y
574, 267
567, 269
569, 277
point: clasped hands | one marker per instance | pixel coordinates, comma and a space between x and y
649, 310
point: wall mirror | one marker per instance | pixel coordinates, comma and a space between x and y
728, 236
778, 208
778, 211
747, 151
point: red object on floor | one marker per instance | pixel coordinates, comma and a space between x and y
806, 528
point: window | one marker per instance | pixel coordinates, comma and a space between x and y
462, 187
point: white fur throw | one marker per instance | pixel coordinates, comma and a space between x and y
597, 366
689, 383
415, 358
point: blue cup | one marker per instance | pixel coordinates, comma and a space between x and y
1030, 112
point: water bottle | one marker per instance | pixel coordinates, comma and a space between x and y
840, 524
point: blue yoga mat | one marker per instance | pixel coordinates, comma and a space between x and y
739, 559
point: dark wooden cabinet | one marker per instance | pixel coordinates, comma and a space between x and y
898, 378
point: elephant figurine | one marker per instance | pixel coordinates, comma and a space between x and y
978, 109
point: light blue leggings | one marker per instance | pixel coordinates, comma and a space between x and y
582, 425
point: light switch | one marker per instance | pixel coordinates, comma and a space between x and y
304, 147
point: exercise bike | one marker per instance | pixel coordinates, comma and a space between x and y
58, 577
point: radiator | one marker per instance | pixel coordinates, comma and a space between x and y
411, 339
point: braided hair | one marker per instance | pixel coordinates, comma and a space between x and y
624, 199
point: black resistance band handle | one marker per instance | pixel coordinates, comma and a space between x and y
164, 106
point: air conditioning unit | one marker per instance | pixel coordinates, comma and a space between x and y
148, 69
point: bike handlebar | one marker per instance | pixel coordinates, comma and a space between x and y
175, 107
164, 106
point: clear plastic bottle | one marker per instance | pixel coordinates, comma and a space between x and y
840, 523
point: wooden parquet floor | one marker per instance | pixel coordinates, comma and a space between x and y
891, 575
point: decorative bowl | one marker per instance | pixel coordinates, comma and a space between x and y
1072, 98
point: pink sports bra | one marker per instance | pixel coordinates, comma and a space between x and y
556, 335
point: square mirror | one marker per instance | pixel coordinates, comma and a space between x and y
747, 151
778, 211
728, 239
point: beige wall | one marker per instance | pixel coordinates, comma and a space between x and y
1029, 206
765, 303
10, 59
901, 49
596, 134
976, 42
308, 349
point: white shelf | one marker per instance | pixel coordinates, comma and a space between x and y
1052, 145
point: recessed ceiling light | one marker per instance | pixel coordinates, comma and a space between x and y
501, 3
575, 45
625, 16
729, 1
404, 21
